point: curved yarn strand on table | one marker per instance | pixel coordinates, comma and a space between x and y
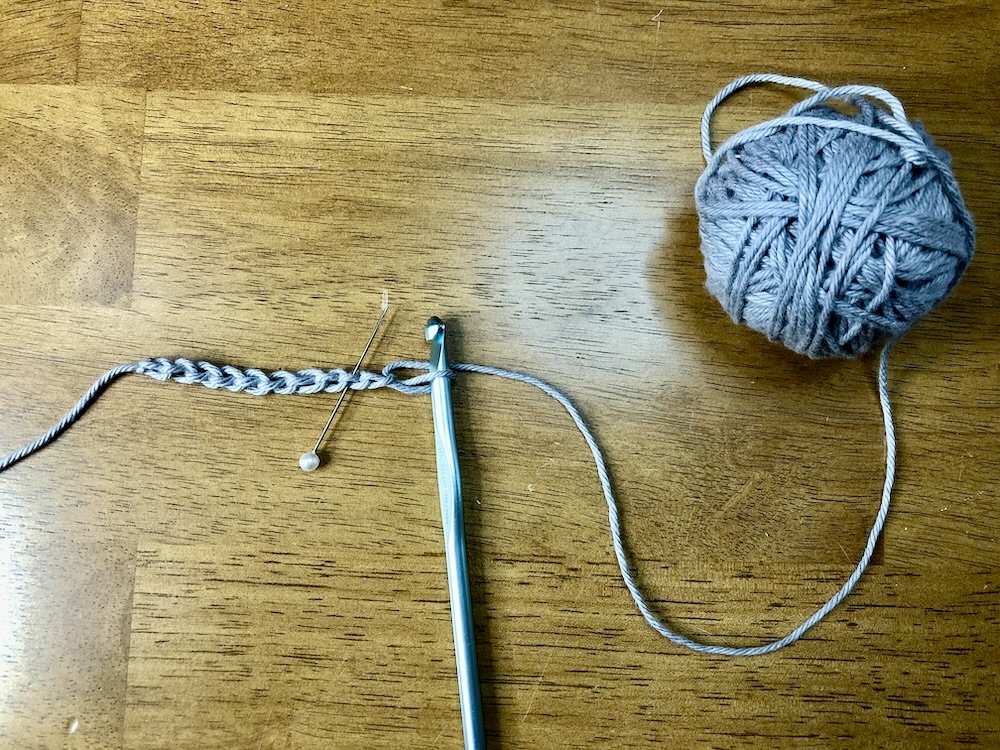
259, 383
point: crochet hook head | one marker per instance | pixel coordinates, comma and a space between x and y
453, 526
434, 332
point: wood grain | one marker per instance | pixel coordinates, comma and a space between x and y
68, 191
581, 50
39, 41
239, 182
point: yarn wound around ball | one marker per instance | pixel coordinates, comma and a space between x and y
834, 227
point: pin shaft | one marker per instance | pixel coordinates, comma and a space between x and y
361, 359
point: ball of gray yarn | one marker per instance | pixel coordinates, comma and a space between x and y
831, 230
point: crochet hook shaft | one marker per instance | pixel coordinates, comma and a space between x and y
456, 559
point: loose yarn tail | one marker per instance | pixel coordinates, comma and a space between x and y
257, 382
70, 417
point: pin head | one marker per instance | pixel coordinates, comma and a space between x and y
309, 461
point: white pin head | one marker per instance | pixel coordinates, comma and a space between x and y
309, 461
385, 300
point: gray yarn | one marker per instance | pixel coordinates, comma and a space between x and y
830, 232
258, 383
281, 382
70, 417
826, 231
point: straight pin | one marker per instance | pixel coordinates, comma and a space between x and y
310, 461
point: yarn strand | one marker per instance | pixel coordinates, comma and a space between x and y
70, 417
621, 554
257, 382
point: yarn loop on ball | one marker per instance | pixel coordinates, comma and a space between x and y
831, 228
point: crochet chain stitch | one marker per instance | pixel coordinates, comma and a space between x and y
282, 382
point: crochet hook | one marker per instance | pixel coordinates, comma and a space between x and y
456, 559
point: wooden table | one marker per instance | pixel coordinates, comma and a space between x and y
238, 182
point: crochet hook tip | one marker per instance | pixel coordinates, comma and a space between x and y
435, 327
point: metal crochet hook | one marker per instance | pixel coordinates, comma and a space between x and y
450, 490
